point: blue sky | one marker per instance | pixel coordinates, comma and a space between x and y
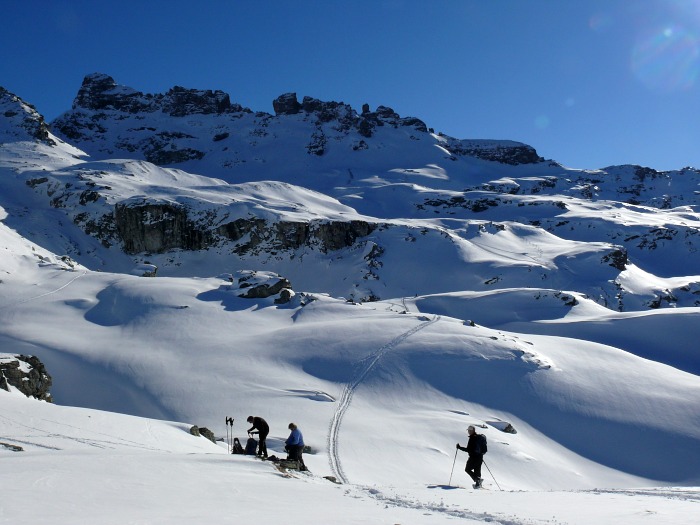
588, 83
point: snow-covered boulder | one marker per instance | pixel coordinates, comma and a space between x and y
260, 285
145, 270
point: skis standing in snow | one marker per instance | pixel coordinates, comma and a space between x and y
476, 448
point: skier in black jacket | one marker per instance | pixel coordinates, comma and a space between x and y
261, 428
476, 450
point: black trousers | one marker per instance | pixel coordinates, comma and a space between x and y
473, 467
262, 444
295, 452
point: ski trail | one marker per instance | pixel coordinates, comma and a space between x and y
366, 366
453, 510
45, 293
93, 438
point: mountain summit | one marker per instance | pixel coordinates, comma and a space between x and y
187, 124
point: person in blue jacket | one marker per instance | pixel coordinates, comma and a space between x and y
295, 445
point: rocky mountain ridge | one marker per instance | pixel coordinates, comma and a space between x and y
319, 182
160, 130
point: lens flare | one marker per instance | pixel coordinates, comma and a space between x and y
667, 60
542, 122
600, 22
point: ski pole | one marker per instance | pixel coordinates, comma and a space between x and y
494, 478
449, 484
229, 436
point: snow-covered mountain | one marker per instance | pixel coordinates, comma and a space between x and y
427, 283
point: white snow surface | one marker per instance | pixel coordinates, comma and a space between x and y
493, 321
381, 396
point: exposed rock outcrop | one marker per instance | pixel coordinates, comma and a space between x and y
100, 95
204, 432
27, 374
108, 117
154, 227
335, 235
21, 120
100, 92
260, 285
504, 152
286, 104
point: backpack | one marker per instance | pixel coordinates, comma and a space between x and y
250, 446
483, 445
237, 447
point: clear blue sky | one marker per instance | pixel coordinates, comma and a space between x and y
589, 83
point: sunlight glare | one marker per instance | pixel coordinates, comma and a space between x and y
667, 59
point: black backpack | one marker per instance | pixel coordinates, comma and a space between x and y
250, 446
237, 447
483, 445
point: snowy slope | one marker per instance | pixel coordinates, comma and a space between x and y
381, 396
382, 168
84, 466
568, 316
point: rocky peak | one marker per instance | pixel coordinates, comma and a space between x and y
286, 104
100, 92
20, 120
179, 102
109, 118
384, 115
327, 111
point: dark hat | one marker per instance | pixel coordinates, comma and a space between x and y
250, 419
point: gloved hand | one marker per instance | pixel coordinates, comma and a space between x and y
458, 445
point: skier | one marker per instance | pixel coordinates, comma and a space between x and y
295, 445
476, 448
261, 428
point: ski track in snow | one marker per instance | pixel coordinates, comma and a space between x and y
453, 511
679, 493
2, 307
96, 441
395, 500
366, 365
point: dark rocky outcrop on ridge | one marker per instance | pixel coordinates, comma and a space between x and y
100, 92
102, 108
